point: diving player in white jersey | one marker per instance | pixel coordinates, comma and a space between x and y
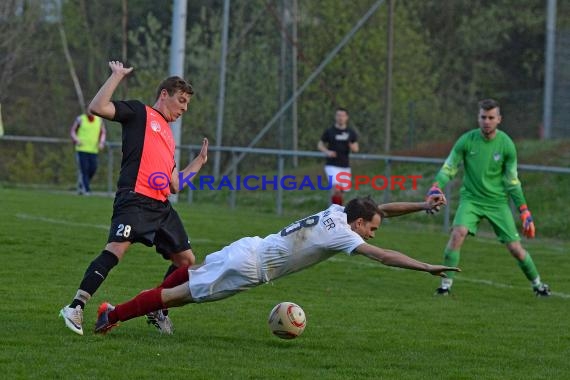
252, 261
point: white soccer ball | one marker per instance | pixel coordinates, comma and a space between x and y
287, 320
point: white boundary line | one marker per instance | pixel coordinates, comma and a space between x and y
334, 259
60, 221
40, 218
462, 278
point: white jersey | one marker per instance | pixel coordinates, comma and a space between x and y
251, 261
307, 242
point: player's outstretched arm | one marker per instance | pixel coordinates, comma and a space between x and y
398, 259
389, 210
101, 104
191, 170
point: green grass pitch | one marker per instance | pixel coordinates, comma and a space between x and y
364, 320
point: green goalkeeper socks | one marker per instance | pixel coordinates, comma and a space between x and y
528, 267
450, 259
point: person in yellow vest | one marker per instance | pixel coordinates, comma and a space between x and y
88, 135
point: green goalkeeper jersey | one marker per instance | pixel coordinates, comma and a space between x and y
490, 168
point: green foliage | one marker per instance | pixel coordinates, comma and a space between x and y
485, 49
355, 79
23, 165
151, 60
448, 54
41, 165
252, 76
94, 35
20, 26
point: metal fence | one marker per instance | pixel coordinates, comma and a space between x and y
279, 158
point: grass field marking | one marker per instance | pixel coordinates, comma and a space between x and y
39, 218
63, 222
462, 278
336, 259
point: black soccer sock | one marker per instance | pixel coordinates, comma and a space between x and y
81, 298
76, 303
96, 274
169, 271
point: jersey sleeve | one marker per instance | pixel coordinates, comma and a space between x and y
342, 238
353, 136
125, 110
511, 178
451, 164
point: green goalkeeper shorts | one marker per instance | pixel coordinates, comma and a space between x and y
470, 213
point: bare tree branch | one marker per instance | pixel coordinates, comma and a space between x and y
72, 72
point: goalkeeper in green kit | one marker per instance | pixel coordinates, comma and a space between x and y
490, 164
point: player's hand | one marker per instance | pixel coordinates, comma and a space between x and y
117, 68
204, 151
439, 270
331, 153
101, 146
435, 193
434, 202
527, 222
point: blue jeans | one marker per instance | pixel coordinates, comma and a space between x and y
87, 164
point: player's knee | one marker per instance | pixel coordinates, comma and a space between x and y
185, 258
460, 232
118, 248
458, 235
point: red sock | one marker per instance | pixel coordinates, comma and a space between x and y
336, 200
145, 302
178, 277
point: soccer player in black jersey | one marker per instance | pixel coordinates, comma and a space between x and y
141, 210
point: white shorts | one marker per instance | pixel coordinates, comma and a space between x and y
334, 171
231, 270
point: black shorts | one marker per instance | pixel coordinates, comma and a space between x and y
140, 219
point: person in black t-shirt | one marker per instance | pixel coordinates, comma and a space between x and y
336, 143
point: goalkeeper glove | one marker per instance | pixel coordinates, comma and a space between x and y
434, 190
527, 222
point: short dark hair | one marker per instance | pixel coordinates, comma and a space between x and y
489, 104
173, 85
362, 207
341, 109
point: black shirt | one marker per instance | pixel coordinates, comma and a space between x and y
148, 150
338, 141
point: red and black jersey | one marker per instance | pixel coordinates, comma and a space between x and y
148, 148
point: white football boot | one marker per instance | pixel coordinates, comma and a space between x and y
73, 318
160, 321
